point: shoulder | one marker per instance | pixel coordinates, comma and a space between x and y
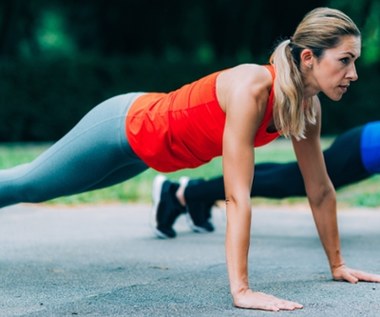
249, 80
248, 73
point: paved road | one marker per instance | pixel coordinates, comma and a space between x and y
104, 261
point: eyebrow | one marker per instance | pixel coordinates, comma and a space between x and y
349, 53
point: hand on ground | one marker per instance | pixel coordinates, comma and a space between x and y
344, 273
257, 300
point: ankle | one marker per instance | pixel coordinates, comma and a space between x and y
180, 193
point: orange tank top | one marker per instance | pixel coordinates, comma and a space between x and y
184, 128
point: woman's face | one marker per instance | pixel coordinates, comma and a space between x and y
333, 72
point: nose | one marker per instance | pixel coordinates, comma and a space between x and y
352, 73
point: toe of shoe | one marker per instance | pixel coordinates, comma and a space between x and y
165, 233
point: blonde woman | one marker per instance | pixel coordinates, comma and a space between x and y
225, 113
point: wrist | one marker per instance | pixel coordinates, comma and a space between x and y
238, 295
335, 260
237, 290
337, 265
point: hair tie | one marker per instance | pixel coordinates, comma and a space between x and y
291, 43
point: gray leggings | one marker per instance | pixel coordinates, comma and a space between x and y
94, 154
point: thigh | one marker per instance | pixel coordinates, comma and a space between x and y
94, 149
278, 180
122, 174
343, 159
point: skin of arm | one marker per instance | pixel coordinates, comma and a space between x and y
322, 200
320, 191
243, 94
244, 106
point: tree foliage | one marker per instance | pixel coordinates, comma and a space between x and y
60, 57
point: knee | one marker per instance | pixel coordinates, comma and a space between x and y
32, 192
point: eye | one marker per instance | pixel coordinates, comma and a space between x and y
345, 60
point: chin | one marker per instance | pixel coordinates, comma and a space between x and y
335, 97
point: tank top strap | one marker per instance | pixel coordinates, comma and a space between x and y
270, 67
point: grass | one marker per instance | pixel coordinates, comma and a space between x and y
138, 189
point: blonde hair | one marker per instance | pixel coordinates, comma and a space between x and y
320, 29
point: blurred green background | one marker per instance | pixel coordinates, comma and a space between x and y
60, 58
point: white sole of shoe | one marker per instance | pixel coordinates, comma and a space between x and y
193, 227
156, 197
158, 234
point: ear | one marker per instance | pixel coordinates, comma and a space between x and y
306, 58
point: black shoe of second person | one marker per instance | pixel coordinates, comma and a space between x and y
198, 213
166, 207
197, 217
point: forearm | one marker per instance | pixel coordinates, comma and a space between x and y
325, 217
237, 246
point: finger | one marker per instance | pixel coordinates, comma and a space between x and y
272, 303
350, 278
367, 277
345, 276
288, 305
269, 307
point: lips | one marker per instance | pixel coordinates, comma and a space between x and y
344, 87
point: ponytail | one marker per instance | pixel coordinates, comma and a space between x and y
291, 110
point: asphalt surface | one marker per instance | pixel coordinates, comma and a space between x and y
104, 261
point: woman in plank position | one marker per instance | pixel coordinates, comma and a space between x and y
226, 113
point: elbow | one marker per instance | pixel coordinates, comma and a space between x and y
319, 196
238, 202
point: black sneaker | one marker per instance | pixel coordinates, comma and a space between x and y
198, 213
166, 207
